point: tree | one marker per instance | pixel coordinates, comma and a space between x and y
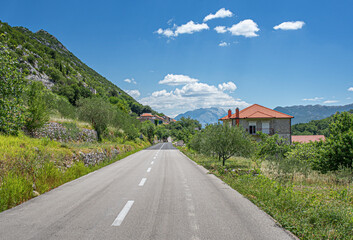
148, 129
97, 112
37, 111
338, 148
226, 141
11, 88
161, 132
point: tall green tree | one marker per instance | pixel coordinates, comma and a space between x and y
226, 141
338, 150
148, 129
11, 89
37, 111
96, 111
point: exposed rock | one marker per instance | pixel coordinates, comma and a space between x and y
35, 193
56, 131
40, 77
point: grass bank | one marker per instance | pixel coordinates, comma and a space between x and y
29, 166
312, 207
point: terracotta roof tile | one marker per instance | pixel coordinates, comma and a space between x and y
258, 111
146, 115
307, 138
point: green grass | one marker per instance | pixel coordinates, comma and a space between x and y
311, 209
28, 165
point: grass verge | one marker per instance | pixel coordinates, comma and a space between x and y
29, 166
310, 210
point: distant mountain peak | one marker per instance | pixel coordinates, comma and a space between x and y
204, 115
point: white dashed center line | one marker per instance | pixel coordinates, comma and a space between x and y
149, 169
143, 180
120, 218
152, 162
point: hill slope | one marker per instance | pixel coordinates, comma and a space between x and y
204, 115
304, 114
44, 58
314, 127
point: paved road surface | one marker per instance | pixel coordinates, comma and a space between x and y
156, 193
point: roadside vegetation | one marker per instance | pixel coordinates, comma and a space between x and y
35, 158
307, 188
30, 166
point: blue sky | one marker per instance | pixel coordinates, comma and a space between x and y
191, 65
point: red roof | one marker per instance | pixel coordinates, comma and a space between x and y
258, 111
146, 115
307, 138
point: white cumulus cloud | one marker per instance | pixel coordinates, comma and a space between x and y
290, 25
313, 99
188, 28
220, 29
130, 80
193, 95
246, 28
223, 44
350, 89
166, 32
221, 13
175, 80
330, 101
133, 93
229, 86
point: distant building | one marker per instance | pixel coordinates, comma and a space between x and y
307, 138
155, 119
257, 118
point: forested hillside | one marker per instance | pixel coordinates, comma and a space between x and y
43, 58
304, 114
314, 127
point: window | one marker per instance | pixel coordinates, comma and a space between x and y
252, 127
266, 127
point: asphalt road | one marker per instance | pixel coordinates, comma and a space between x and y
156, 193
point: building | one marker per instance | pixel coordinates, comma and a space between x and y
257, 118
155, 119
307, 138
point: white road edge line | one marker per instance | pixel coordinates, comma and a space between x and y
120, 218
149, 169
143, 180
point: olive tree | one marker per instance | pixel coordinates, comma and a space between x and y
37, 111
96, 111
226, 141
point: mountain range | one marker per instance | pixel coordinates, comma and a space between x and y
302, 114
204, 115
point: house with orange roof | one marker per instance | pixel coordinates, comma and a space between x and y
257, 118
155, 119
